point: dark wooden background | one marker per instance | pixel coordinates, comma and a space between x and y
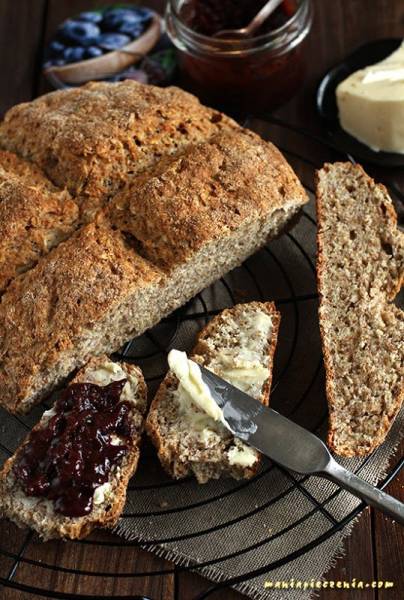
376, 547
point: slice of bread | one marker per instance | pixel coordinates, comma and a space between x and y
237, 345
109, 499
360, 270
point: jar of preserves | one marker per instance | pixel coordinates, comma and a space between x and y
254, 74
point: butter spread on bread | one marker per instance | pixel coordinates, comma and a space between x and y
185, 425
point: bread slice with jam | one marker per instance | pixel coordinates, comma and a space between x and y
238, 345
71, 472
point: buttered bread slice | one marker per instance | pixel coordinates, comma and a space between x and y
237, 345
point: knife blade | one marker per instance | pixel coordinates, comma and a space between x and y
289, 444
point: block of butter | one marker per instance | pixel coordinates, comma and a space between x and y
371, 104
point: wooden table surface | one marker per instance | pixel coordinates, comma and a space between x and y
376, 547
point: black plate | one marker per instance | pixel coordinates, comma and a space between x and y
327, 105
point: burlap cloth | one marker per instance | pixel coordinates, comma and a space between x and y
239, 527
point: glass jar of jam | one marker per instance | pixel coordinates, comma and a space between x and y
254, 74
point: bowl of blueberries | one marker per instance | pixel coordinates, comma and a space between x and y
98, 44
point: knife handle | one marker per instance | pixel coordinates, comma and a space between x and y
367, 492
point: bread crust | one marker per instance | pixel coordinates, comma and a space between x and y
26, 172
92, 139
207, 192
34, 216
201, 354
49, 317
41, 517
392, 285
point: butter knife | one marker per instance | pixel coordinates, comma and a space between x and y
289, 444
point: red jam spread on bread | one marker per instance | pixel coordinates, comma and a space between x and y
210, 16
73, 454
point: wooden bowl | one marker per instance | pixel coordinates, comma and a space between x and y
111, 63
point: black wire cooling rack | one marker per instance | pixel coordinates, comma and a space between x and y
271, 275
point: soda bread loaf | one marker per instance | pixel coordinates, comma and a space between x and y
238, 345
161, 241
40, 513
360, 270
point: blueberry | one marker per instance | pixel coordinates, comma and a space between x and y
56, 48
143, 14
79, 32
90, 16
133, 29
112, 21
74, 54
93, 52
112, 41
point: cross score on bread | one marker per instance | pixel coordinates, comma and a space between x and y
191, 195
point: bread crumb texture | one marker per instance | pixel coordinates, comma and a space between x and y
237, 345
360, 271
